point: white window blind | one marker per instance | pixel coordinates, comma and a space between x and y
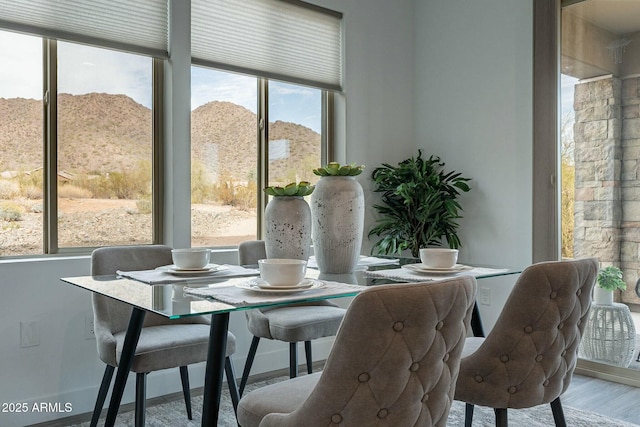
136, 26
284, 40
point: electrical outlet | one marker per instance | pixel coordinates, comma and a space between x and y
89, 333
29, 334
484, 295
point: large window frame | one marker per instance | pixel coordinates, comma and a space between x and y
50, 158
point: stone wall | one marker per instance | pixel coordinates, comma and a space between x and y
607, 193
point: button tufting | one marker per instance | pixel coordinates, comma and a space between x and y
425, 398
363, 377
528, 329
439, 325
382, 413
564, 353
545, 383
539, 358
446, 357
478, 378
504, 358
579, 292
414, 367
579, 322
336, 418
553, 295
561, 325
512, 389
398, 326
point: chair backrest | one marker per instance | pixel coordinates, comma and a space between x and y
395, 358
529, 356
111, 316
251, 251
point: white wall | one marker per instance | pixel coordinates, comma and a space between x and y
376, 125
473, 108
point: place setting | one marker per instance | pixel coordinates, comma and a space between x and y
281, 275
190, 266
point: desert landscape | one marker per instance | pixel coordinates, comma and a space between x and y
104, 171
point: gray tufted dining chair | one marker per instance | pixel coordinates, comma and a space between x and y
292, 324
394, 362
163, 343
529, 356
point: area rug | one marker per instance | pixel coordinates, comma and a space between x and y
172, 414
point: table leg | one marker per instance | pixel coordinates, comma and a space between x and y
215, 369
476, 322
124, 366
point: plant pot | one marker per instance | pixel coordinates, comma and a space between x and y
287, 228
602, 296
337, 208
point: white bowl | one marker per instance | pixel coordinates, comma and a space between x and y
439, 257
191, 258
282, 271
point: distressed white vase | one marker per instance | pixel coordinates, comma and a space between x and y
337, 208
287, 228
602, 296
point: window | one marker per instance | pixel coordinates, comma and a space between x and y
227, 164
99, 138
21, 158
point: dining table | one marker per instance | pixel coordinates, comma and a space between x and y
232, 288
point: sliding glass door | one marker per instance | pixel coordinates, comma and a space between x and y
600, 162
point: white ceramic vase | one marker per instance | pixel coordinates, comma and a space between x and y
287, 228
337, 208
602, 296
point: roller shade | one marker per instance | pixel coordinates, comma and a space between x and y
138, 26
285, 40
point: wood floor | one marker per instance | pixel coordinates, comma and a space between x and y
604, 397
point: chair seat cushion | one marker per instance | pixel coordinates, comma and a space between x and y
170, 346
254, 406
295, 324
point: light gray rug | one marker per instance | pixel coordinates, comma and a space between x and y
173, 414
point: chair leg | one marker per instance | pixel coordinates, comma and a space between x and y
501, 417
247, 366
558, 413
307, 354
231, 381
468, 414
293, 359
102, 394
186, 390
141, 396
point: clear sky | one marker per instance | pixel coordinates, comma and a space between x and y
83, 69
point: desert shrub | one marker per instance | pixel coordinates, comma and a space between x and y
246, 196
202, 189
10, 212
9, 189
144, 205
70, 191
31, 192
119, 185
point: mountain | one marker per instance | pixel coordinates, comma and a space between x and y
99, 132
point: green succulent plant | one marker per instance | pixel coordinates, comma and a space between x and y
302, 188
610, 278
335, 169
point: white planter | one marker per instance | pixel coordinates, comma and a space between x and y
287, 228
602, 296
337, 209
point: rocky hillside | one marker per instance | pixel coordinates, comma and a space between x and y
103, 133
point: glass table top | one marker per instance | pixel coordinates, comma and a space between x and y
172, 301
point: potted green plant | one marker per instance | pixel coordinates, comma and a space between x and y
287, 219
609, 279
419, 205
